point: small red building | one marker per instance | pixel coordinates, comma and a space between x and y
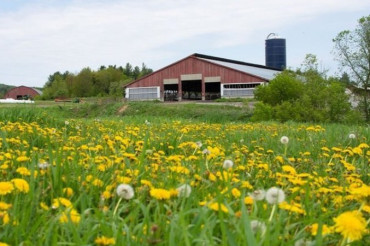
22, 92
200, 77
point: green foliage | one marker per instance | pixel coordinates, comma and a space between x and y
285, 87
4, 89
107, 81
262, 112
353, 52
307, 97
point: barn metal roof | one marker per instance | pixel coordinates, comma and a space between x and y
250, 68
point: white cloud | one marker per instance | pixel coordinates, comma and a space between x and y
39, 39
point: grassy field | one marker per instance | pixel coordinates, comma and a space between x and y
178, 174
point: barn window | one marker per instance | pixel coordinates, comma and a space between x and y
142, 93
239, 90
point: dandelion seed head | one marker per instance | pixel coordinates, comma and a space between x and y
184, 190
258, 195
206, 152
304, 242
352, 136
258, 226
284, 140
275, 195
43, 165
228, 164
125, 191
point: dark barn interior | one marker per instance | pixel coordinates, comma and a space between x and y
191, 90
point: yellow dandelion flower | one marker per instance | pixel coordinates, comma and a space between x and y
5, 217
314, 228
98, 183
212, 177
146, 183
247, 185
21, 185
357, 150
279, 159
23, 158
23, 171
363, 146
71, 215
68, 191
44, 206
289, 169
3, 244
216, 207
366, 208
105, 241
235, 192
106, 195
160, 194
61, 201
6, 188
248, 200
293, 207
5, 206
351, 225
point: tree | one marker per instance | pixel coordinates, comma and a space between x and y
305, 95
353, 52
284, 87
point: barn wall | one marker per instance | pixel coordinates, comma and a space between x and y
21, 90
192, 65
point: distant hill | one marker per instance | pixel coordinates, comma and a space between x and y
4, 89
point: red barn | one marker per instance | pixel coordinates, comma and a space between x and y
200, 77
22, 92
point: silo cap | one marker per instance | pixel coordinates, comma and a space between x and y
273, 35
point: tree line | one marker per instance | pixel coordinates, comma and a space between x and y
4, 89
309, 95
106, 81
305, 95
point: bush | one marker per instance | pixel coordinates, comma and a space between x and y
262, 112
311, 98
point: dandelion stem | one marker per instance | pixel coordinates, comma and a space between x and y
115, 209
285, 149
272, 213
195, 150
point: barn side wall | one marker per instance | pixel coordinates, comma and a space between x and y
21, 91
193, 65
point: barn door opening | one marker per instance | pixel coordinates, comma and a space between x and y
170, 92
213, 90
191, 89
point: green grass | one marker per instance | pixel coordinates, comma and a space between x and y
101, 147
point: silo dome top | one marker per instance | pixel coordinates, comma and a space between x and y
273, 36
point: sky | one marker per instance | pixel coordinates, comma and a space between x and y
40, 37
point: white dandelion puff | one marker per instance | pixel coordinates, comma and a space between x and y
258, 195
284, 140
125, 191
206, 152
352, 136
43, 165
228, 164
258, 226
184, 190
304, 242
275, 195
199, 144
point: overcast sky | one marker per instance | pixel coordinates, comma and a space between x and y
40, 37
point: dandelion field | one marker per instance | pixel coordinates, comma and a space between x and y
168, 182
